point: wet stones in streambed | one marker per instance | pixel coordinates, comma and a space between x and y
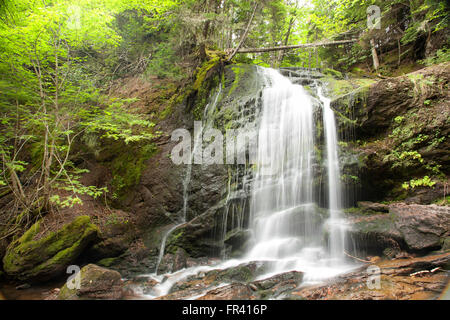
270, 288
139, 286
235, 283
242, 273
400, 279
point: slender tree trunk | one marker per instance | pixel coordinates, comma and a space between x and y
244, 36
376, 62
286, 40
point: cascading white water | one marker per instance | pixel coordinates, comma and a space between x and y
284, 217
336, 227
281, 206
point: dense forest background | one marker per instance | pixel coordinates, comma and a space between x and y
62, 64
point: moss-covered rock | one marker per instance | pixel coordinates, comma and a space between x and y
108, 262
94, 283
30, 259
116, 236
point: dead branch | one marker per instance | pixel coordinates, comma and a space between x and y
361, 260
244, 36
303, 45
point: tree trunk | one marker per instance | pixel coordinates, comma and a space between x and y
244, 36
286, 40
376, 62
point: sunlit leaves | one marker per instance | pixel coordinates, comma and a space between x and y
114, 122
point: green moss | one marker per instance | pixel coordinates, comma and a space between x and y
238, 71
205, 80
445, 244
443, 201
356, 86
27, 258
203, 70
108, 262
355, 211
127, 167
67, 294
333, 73
240, 273
175, 241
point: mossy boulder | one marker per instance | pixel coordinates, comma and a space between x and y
28, 259
94, 283
115, 238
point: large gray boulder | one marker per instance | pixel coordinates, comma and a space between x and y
95, 283
412, 228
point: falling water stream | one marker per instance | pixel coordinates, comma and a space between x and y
187, 179
285, 218
336, 225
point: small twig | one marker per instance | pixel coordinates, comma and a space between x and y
361, 260
419, 273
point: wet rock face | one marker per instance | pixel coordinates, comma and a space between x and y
396, 129
415, 228
238, 241
384, 100
242, 273
278, 286
422, 227
368, 206
235, 291
158, 199
95, 283
30, 259
236, 282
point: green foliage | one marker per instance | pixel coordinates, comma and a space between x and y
53, 57
164, 63
399, 119
423, 182
116, 123
441, 55
114, 219
433, 12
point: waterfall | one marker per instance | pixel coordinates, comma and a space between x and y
336, 240
284, 216
281, 204
289, 228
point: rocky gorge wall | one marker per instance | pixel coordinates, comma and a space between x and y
392, 131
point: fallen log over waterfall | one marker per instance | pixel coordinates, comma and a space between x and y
303, 45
